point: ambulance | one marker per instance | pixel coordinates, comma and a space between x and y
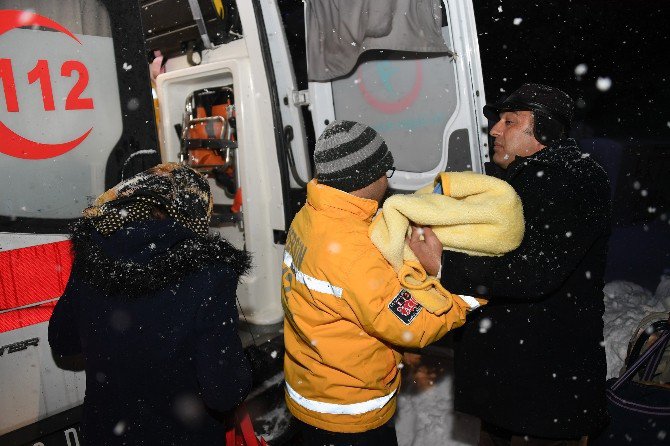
94, 91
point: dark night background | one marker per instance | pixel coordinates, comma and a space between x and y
626, 41
626, 127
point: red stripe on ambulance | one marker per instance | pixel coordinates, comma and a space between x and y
29, 276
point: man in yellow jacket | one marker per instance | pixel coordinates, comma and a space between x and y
346, 314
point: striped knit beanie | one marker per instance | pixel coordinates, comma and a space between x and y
350, 155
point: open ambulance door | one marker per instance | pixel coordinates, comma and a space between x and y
250, 132
428, 107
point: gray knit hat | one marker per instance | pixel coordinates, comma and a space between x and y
350, 155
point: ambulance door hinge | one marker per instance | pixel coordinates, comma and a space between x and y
300, 97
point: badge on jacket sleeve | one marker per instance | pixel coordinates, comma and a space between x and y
405, 307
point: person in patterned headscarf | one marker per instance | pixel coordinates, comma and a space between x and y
151, 305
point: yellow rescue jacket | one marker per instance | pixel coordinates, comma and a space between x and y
345, 315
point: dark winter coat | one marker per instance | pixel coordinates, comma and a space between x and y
532, 361
152, 309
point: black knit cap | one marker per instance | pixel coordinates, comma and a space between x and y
553, 110
350, 155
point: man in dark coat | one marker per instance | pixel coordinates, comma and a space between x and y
151, 305
531, 363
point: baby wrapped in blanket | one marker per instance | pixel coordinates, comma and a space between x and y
474, 213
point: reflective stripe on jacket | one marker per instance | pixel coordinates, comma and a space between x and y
344, 311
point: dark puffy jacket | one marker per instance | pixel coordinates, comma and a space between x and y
152, 309
533, 361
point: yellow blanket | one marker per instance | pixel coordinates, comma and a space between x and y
476, 214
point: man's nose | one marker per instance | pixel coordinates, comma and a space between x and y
496, 130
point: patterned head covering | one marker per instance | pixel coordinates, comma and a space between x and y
178, 190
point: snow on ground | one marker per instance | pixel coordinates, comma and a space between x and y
626, 304
425, 405
274, 422
426, 413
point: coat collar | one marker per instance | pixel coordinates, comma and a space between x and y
326, 198
148, 256
561, 152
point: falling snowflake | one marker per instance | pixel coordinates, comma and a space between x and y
540, 173
334, 248
484, 325
581, 69
517, 21
133, 104
26, 16
127, 66
188, 410
603, 83
568, 234
120, 428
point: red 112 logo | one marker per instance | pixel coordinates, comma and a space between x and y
13, 144
41, 74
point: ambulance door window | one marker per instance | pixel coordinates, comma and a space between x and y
67, 103
400, 96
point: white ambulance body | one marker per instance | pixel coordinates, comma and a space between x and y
76, 115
